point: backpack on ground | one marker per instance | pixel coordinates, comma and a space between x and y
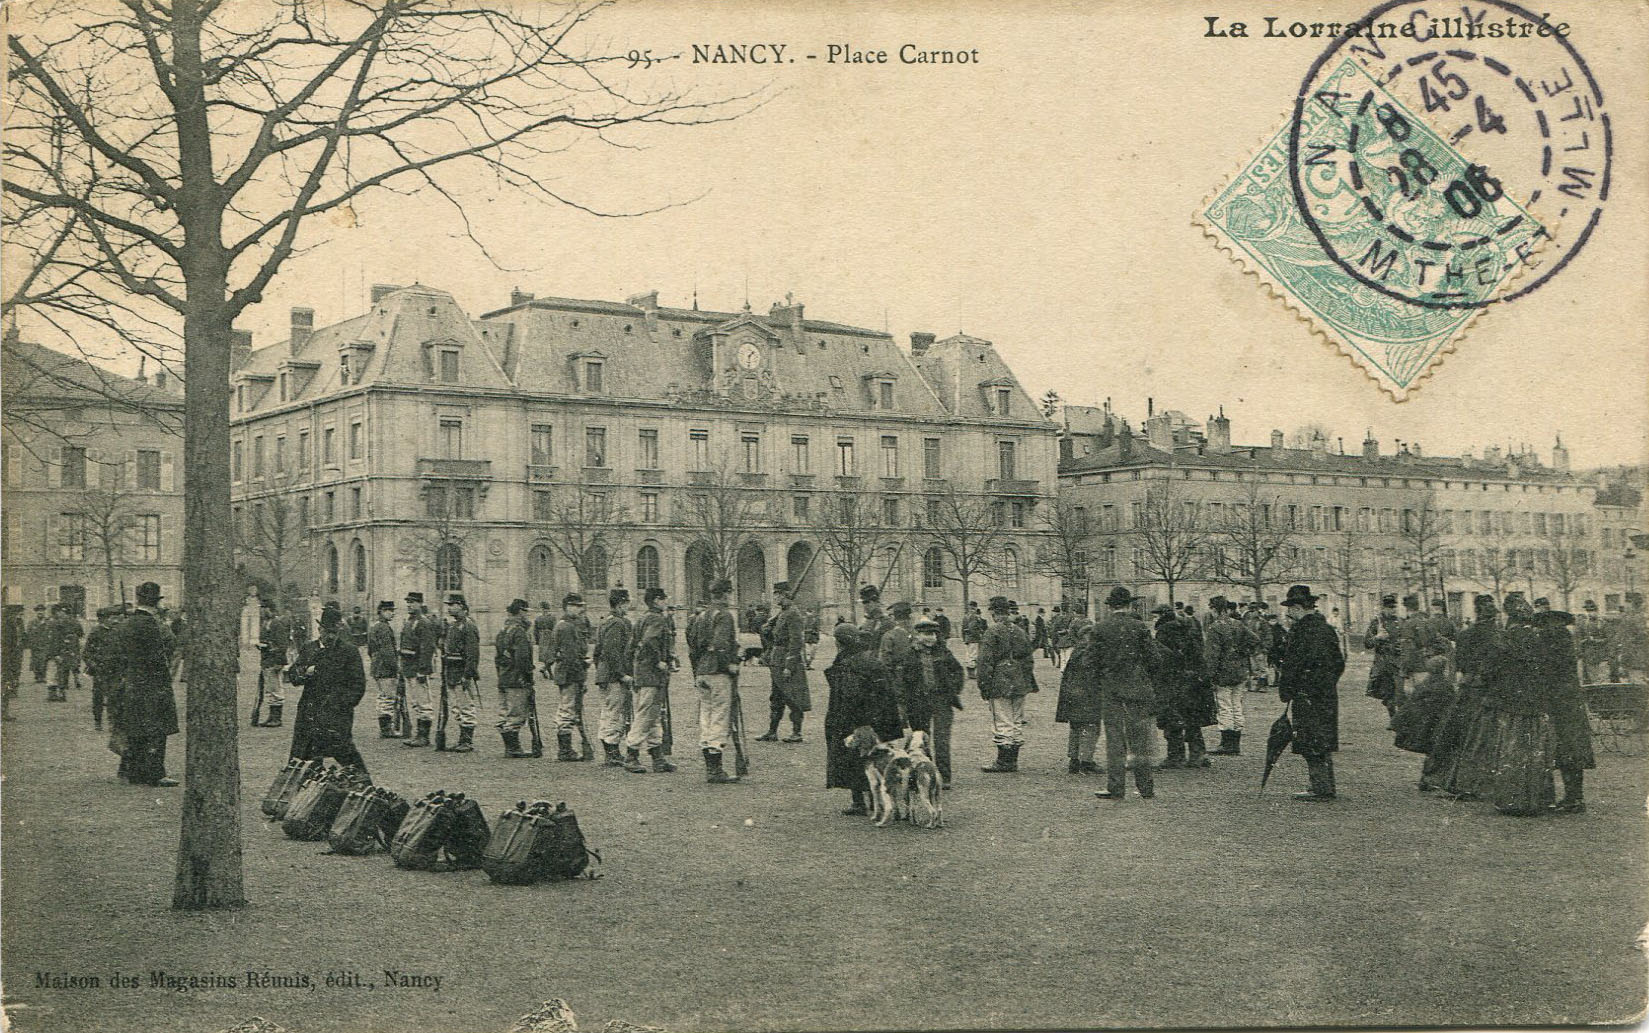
532, 844
286, 785
470, 834
367, 821
316, 806
442, 832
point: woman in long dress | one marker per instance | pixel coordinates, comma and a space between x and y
1509, 754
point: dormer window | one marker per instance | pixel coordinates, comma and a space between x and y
240, 397
1003, 397
589, 372
284, 382
343, 371
884, 394
592, 376
449, 365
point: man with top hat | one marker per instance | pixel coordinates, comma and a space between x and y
1227, 648
1004, 675
615, 645
787, 667
329, 670
145, 710
513, 660
461, 668
1308, 681
566, 659
712, 648
35, 637
1126, 658
384, 666
653, 662
274, 640
876, 621
1385, 676
420, 636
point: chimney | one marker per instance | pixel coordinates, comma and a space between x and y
1125, 441
1150, 407
1491, 456
1371, 445
1159, 431
1512, 469
380, 291
1219, 433
1340, 445
1319, 442
1066, 451
1415, 448
1560, 456
1276, 441
303, 324
160, 379
648, 303
240, 349
519, 297
920, 343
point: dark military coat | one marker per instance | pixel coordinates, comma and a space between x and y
787, 658
1003, 667
615, 643
655, 643
381, 649
512, 654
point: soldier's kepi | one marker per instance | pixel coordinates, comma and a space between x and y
712, 647
460, 669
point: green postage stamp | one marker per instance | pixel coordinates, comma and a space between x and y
1373, 228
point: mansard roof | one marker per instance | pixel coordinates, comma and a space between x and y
32, 371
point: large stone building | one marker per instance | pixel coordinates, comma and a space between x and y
93, 485
416, 447
1354, 526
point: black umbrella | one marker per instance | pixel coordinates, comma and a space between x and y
1282, 733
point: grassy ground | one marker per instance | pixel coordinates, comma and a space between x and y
1037, 906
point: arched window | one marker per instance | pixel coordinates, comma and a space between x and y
539, 578
595, 567
449, 568
357, 560
933, 568
331, 569
1010, 571
647, 572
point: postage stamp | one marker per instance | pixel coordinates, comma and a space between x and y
1404, 195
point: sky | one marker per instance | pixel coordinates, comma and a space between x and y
1040, 198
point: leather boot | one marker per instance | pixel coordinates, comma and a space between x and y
660, 765
1236, 744
1073, 766
466, 741
1174, 755
795, 735
1574, 792
564, 746
274, 719
1199, 751
384, 730
1007, 759
713, 772
613, 759
633, 764
421, 737
1224, 749
512, 744
774, 716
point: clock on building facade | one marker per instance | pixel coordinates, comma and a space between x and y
750, 356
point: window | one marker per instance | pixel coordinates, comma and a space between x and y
750, 447
148, 470
699, 443
1010, 571
543, 444
798, 454
649, 507
1316, 523
354, 503
463, 503
1485, 522
303, 452
890, 512
1108, 565
357, 563
595, 446
999, 514
844, 457
257, 458
329, 457
331, 568
449, 568
1365, 519
1079, 519
71, 539
595, 505
357, 440
435, 502
1107, 518
148, 544
280, 455
303, 512
935, 513
799, 507
542, 507
1557, 524
884, 394
647, 568
933, 568
1409, 521
1005, 455
930, 459
540, 576
1339, 519
1016, 513
331, 506
236, 455
343, 370
648, 442
592, 376
1003, 395
284, 385
594, 574
449, 365
890, 456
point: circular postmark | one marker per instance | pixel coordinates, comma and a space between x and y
1441, 173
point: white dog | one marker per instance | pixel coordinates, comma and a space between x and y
904, 782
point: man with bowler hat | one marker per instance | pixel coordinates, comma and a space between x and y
654, 660
1004, 681
712, 648
329, 670
1308, 681
146, 710
1126, 657
385, 666
787, 667
512, 657
419, 637
461, 668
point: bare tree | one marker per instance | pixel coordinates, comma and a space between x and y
1068, 548
1307, 435
1259, 543
723, 514
850, 531
1497, 569
1570, 563
1347, 570
107, 521
585, 530
187, 144
1168, 536
272, 541
1421, 528
971, 531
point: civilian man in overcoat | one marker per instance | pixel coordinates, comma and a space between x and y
1309, 681
1127, 664
144, 710
1185, 698
787, 667
1004, 675
1385, 676
930, 680
861, 693
1080, 705
333, 679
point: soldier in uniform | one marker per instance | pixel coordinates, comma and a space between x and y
35, 637
1309, 681
461, 668
65, 650
1592, 644
1004, 681
615, 644
876, 621
100, 663
1385, 677
512, 657
333, 680
566, 661
385, 666
1185, 696
11, 655
146, 710
1059, 632
358, 627
1228, 647
542, 627
973, 629
654, 660
712, 648
895, 645
1421, 650
786, 667
420, 634
1126, 659
274, 639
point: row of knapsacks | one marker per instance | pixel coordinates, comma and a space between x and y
441, 832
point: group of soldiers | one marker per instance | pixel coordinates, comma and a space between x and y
53, 640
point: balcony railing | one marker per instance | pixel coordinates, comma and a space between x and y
456, 469
1011, 486
755, 480
849, 483
649, 476
540, 473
